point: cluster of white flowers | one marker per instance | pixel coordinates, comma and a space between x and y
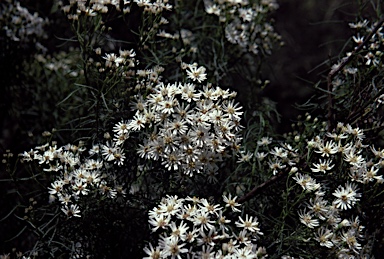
76, 176
119, 65
243, 26
342, 146
331, 229
95, 7
325, 209
154, 6
278, 158
19, 24
374, 49
77, 8
189, 127
347, 142
201, 229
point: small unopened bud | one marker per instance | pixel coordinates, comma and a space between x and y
52, 198
46, 134
345, 223
293, 170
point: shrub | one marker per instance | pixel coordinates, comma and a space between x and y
141, 134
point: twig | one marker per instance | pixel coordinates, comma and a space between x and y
261, 187
344, 62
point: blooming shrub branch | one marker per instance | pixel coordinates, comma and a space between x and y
240, 27
331, 171
198, 228
189, 127
76, 175
148, 89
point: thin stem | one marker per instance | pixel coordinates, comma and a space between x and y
259, 188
